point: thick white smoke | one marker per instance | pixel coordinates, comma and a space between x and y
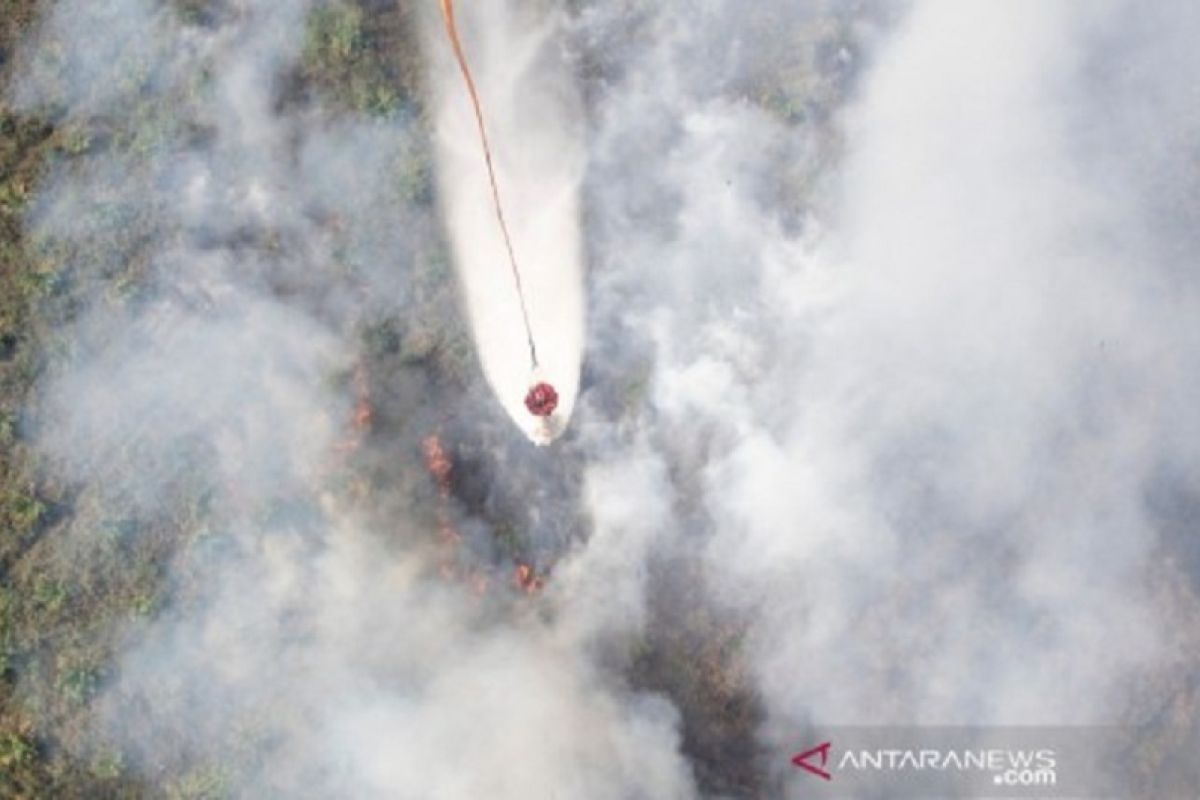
311, 645
892, 332
927, 422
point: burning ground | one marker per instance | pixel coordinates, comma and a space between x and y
885, 413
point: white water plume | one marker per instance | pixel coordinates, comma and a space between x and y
532, 112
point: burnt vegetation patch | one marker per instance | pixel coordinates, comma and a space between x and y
82, 567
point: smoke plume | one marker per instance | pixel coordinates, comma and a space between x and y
884, 407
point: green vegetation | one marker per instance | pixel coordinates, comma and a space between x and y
357, 61
77, 571
77, 568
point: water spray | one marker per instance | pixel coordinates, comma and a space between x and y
542, 399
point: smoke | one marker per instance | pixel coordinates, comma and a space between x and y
984, 414
886, 396
308, 641
531, 113
927, 414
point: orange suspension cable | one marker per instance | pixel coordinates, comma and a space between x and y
452, 32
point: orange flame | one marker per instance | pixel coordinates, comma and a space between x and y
527, 580
440, 468
363, 412
360, 419
437, 462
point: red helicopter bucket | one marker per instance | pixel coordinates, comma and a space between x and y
541, 399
